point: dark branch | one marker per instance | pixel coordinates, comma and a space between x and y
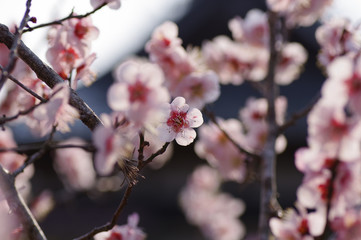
18, 206
298, 115
50, 77
60, 21
14, 46
113, 221
241, 149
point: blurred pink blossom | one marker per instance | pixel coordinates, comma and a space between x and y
129, 231
75, 165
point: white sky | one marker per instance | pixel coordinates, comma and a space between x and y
122, 31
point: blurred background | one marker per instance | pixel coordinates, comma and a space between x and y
123, 34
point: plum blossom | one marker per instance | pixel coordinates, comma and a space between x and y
75, 165
70, 50
42, 205
253, 29
348, 225
333, 132
345, 84
164, 39
178, 122
165, 49
114, 143
293, 56
129, 231
235, 62
220, 152
199, 88
113, 4
11, 228
215, 213
11, 161
298, 225
138, 92
56, 111
299, 12
337, 37
253, 116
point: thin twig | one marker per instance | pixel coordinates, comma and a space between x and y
34, 94
30, 160
25, 112
113, 221
142, 164
240, 148
18, 206
300, 114
60, 21
13, 49
50, 77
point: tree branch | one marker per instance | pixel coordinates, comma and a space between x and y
269, 202
14, 46
17, 205
49, 76
298, 115
60, 21
113, 221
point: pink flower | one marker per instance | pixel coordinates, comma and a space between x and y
113, 4
63, 58
333, 132
113, 142
199, 88
42, 205
299, 12
164, 39
70, 46
293, 56
215, 213
75, 166
219, 151
57, 111
235, 62
337, 37
130, 231
138, 92
11, 161
348, 225
345, 84
179, 121
253, 115
279, 5
84, 73
253, 29
301, 225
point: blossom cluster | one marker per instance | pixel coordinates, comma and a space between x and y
215, 213
246, 57
331, 163
69, 50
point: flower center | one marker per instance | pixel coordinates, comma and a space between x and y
80, 31
115, 236
197, 90
354, 84
303, 227
177, 121
138, 92
70, 55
